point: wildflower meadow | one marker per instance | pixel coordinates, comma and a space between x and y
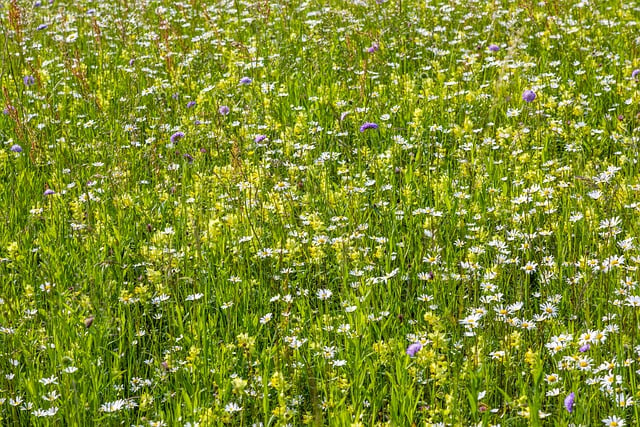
339, 213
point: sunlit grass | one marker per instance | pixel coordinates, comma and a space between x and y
342, 213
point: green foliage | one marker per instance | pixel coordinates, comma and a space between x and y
243, 213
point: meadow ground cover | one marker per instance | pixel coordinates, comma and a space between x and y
335, 213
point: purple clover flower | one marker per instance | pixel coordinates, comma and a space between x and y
584, 348
245, 81
494, 47
569, 402
635, 73
413, 349
16, 148
368, 125
29, 80
374, 47
42, 27
191, 104
49, 192
528, 95
259, 138
176, 137
224, 110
